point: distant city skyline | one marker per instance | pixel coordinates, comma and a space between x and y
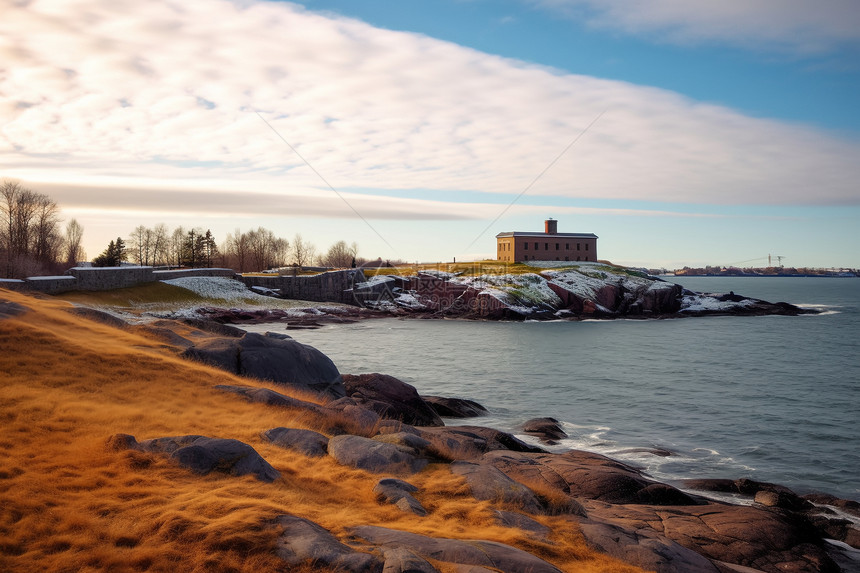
680, 134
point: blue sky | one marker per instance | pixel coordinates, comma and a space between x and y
725, 131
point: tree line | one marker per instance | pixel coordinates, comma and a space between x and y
33, 242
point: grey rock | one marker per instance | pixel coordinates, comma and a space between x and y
455, 407
490, 554
202, 455
402, 560
373, 456
390, 398
305, 542
413, 442
283, 361
271, 398
525, 523
307, 442
399, 493
214, 327
10, 309
488, 483
471, 442
98, 316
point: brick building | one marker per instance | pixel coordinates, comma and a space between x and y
519, 246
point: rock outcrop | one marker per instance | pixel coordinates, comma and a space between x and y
391, 399
272, 357
202, 454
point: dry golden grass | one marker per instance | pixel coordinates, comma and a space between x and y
69, 504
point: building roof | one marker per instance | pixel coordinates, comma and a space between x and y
538, 235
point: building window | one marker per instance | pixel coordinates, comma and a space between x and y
586, 246
536, 246
556, 246
566, 258
577, 257
526, 246
567, 247
546, 246
577, 248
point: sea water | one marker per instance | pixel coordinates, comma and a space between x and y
771, 398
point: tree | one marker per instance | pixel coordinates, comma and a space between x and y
30, 239
303, 252
113, 256
73, 252
340, 255
255, 250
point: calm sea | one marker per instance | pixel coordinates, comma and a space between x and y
769, 398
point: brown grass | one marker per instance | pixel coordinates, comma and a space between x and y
69, 504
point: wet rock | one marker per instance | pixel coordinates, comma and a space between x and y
471, 442
455, 407
307, 442
846, 505
490, 554
769, 494
214, 327
488, 483
305, 542
587, 475
547, 429
390, 398
272, 358
373, 456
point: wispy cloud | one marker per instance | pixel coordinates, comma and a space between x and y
797, 26
163, 95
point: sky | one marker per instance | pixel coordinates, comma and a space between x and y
681, 133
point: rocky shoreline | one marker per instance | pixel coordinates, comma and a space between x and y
379, 424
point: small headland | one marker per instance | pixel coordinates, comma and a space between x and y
187, 444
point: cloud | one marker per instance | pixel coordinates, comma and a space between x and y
796, 26
164, 95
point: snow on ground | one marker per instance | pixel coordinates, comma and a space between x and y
694, 302
218, 287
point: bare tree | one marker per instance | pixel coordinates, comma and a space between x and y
160, 244
177, 241
340, 255
30, 240
303, 251
73, 252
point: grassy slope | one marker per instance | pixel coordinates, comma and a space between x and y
69, 504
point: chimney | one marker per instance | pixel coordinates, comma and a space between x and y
551, 226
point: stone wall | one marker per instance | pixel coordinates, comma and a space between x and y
109, 278
333, 286
105, 278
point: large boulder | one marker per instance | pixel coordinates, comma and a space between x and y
390, 398
644, 548
773, 541
303, 542
488, 483
588, 476
307, 442
490, 554
202, 454
548, 430
272, 357
455, 407
374, 456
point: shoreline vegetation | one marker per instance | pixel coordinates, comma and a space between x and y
142, 435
